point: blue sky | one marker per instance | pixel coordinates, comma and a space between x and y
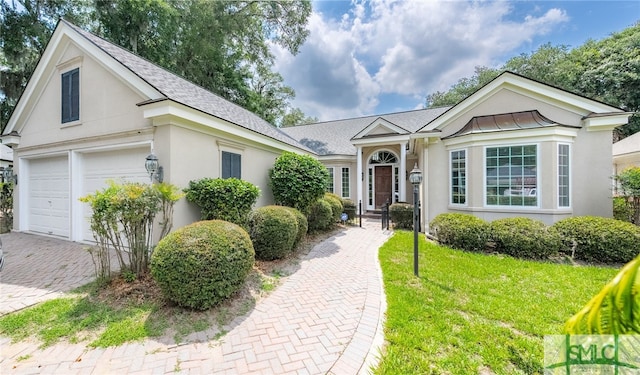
374, 57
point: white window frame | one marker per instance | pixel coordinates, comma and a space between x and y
342, 182
64, 68
466, 177
234, 149
569, 181
484, 179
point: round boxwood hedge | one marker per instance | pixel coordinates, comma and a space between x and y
202, 264
273, 230
303, 225
460, 231
523, 237
320, 216
599, 239
336, 205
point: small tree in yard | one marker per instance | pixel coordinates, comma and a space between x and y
629, 182
298, 180
122, 219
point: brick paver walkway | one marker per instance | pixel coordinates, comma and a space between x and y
324, 319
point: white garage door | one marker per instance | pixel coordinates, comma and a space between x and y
49, 196
124, 165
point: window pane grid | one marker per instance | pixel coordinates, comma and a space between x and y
458, 177
345, 183
370, 187
511, 176
396, 183
563, 176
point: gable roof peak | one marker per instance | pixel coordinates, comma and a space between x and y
157, 83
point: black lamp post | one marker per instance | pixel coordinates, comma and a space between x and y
415, 177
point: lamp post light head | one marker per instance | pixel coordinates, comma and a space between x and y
153, 167
415, 176
8, 176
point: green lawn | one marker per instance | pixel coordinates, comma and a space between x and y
473, 313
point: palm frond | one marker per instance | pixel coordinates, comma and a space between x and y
615, 309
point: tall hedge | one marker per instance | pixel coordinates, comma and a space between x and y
297, 180
227, 199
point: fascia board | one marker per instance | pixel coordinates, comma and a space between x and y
606, 123
337, 158
381, 141
169, 112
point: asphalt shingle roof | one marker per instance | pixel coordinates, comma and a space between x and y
182, 91
334, 137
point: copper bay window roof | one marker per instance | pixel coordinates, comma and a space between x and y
505, 122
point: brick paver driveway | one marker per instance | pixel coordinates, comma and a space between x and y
38, 268
326, 318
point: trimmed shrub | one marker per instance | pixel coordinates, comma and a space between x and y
320, 216
350, 208
336, 205
303, 225
622, 209
401, 215
228, 199
297, 180
599, 239
273, 231
460, 231
522, 237
202, 264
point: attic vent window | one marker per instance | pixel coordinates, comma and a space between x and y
71, 96
383, 157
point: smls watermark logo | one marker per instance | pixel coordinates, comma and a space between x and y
592, 354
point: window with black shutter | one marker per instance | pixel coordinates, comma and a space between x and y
231, 165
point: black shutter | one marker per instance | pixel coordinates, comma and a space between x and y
71, 96
231, 165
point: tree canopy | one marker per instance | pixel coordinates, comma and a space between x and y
607, 70
222, 46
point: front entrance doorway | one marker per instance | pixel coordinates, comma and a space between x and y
384, 185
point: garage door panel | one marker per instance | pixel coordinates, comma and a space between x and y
126, 165
49, 196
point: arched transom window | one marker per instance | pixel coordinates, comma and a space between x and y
383, 157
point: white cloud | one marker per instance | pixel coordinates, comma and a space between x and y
408, 48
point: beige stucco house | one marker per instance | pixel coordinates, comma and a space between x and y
93, 111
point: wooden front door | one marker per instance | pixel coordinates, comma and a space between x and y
384, 186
